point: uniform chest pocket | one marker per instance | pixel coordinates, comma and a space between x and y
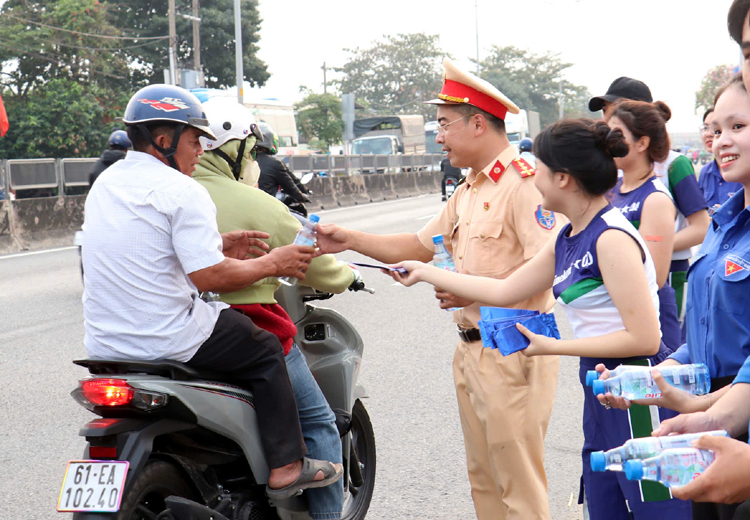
731, 288
485, 253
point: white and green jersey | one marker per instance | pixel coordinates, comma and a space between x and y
578, 284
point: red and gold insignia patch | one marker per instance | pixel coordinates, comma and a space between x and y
523, 168
486, 206
731, 268
496, 171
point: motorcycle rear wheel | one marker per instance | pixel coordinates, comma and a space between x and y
145, 498
358, 499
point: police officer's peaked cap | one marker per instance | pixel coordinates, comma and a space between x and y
460, 87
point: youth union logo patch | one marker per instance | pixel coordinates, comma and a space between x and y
545, 218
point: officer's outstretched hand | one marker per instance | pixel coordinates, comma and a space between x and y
727, 479
539, 345
332, 238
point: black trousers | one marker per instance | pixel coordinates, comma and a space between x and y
254, 359
713, 511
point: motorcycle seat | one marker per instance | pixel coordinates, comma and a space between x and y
161, 367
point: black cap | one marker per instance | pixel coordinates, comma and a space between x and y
627, 88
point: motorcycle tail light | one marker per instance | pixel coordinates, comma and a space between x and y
103, 452
116, 393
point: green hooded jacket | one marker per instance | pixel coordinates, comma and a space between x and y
239, 206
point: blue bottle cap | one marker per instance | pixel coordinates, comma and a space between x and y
597, 386
313, 218
598, 462
633, 469
591, 376
437, 239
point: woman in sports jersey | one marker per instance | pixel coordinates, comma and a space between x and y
644, 200
602, 275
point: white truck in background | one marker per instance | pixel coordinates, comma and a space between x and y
389, 135
521, 125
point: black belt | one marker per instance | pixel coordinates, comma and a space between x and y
469, 335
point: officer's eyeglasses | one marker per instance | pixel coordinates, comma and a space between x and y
442, 128
704, 128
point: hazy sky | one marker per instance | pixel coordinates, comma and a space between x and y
668, 44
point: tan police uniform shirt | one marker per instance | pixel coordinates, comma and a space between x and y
492, 228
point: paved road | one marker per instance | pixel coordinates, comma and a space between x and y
407, 371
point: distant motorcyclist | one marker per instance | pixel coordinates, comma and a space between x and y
119, 144
525, 147
274, 174
449, 172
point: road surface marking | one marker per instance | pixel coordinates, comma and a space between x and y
17, 255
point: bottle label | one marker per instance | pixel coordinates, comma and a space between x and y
691, 374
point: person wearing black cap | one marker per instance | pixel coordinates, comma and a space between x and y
678, 175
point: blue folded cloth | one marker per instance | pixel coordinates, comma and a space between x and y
498, 328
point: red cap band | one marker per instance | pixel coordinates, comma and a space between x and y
460, 93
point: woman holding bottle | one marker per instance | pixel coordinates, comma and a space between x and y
602, 274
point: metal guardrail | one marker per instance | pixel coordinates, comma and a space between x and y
55, 175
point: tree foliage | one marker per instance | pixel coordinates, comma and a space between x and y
319, 117
532, 81
395, 76
713, 81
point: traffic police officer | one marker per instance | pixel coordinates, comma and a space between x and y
493, 224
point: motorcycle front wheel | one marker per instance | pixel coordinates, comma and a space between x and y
145, 498
357, 501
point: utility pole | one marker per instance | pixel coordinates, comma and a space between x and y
238, 52
197, 41
172, 44
325, 82
476, 23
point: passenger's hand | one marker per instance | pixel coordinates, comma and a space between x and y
332, 238
539, 345
414, 269
688, 423
450, 301
292, 260
241, 244
727, 479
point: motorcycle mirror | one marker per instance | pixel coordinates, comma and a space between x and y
307, 177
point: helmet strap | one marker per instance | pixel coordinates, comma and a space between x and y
236, 166
168, 153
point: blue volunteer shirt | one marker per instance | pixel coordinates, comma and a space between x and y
718, 304
715, 189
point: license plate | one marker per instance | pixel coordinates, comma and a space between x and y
92, 485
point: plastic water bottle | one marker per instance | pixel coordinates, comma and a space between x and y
443, 259
639, 384
644, 448
673, 468
305, 237
593, 375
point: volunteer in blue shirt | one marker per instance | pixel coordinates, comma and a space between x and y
602, 275
718, 306
715, 189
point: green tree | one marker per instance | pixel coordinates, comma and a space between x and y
713, 81
532, 81
319, 117
148, 18
63, 119
395, 76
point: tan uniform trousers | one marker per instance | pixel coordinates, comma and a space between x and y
505, 405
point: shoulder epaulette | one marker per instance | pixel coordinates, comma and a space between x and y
523, 168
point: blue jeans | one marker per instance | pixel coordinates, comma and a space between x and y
321, 435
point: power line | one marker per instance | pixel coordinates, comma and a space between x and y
100, 48
88, 34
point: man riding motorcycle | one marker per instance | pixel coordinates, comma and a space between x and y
274, 174
151, 244
228, 172
119, 144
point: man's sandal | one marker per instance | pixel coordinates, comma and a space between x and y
306, 480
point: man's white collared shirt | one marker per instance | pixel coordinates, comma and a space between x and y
147, 226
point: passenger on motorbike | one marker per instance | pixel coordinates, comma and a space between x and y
119, 144
151, 243
525, 147
225, 162
274, 174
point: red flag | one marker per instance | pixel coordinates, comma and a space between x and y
4, 124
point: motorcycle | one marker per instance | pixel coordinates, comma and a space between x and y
292, 203
450, 187
175, 443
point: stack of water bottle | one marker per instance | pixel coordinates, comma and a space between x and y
670, 460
